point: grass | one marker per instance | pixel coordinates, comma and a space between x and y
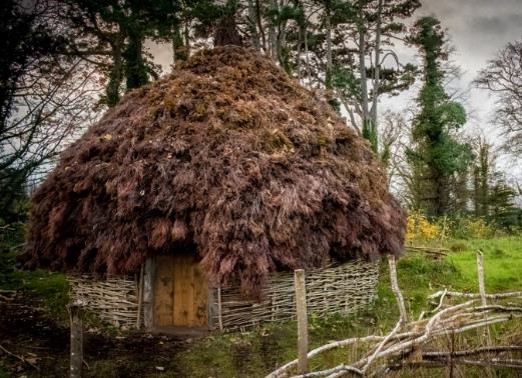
51, 290
256, 353
502, 264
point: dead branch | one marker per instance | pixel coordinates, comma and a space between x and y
454, 319
471, 352
396, 289
379, 347
21, 358
511, 364
475, 295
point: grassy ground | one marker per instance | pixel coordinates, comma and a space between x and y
256, 353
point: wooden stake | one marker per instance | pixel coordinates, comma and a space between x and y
148, 293
220, 309
395, 288
140, 298
76, 340
482, 289
480, 275
302, 320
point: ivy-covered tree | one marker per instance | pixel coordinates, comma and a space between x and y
436, 154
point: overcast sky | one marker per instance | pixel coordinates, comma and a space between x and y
477, 29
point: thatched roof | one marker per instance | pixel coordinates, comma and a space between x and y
229, 158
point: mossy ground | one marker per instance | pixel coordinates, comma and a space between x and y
256, 353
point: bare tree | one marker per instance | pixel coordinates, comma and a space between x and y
503, 77
49, 111
46, 96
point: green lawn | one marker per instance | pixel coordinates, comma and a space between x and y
502, 264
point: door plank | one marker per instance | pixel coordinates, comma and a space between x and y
200, 298
163, 291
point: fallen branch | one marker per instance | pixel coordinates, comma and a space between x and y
474, 295
470, 352
329, 372
21, 358
455, 319
495, 363
379, 347
336, 344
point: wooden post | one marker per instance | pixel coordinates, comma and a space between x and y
76, 340
302, 321
148, 293
482, 289
220, 309
480, 275
140, 298
395, 288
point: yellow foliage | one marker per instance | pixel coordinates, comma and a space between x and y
477, 228
420, 228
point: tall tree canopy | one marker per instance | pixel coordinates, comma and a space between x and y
436, 154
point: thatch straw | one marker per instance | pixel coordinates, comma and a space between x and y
228, 157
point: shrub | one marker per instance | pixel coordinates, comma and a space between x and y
420, 229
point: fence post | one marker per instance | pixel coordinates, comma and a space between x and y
75, 310
480, 275
302, 321
140, 298
482, 289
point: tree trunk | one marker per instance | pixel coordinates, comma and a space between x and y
328, 27
260, 26
367, 127
116, 75
252, 24
272, 34
135, 68
377, 78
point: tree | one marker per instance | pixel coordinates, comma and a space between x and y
436, 154
25, 41
502, 200
44, 93
503, 78
111, 34
483, 169
363, 48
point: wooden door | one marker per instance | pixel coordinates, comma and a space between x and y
180, 292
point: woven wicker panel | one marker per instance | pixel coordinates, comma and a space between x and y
346, 288
113, 300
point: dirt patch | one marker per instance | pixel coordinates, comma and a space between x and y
43, 343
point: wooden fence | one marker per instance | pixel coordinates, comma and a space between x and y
342, 288
113, 300
346, 288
